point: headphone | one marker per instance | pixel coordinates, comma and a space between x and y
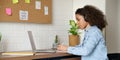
85, 17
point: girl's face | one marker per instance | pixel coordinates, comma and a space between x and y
82, 24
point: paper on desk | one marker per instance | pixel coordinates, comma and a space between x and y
58, 51
18, 53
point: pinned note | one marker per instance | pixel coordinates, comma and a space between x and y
8, 11
23, 15
46, 10
38, 4
15, 1
27, 1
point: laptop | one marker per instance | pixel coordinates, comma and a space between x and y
34, 47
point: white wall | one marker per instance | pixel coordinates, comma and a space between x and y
81, 3
15, 34
119, 25
112, 30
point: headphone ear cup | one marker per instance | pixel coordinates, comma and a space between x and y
85, 17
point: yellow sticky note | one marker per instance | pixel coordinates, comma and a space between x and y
27, 1
15, 1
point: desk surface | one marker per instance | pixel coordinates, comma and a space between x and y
40, 56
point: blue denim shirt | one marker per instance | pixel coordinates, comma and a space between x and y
93, 46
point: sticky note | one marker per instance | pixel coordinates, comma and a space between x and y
8, 11
27, 1
15, 1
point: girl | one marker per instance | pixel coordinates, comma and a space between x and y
93, 47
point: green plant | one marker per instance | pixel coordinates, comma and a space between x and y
74, 28
56, 39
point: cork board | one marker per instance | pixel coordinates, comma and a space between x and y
34, 15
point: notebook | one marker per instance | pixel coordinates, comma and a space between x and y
19, 53
34, 47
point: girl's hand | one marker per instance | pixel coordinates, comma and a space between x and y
62, 47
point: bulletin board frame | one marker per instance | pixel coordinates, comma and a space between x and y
34, 15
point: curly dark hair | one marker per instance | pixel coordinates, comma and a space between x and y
93, 16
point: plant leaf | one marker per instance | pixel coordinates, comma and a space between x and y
74, 28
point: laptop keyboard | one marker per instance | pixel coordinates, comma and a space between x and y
45, 50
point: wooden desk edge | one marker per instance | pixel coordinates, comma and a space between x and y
39, 56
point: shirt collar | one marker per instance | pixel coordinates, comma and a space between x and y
87, 28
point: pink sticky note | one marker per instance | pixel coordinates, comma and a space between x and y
8, 11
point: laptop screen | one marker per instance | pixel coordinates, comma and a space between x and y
34, 47
31, 40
